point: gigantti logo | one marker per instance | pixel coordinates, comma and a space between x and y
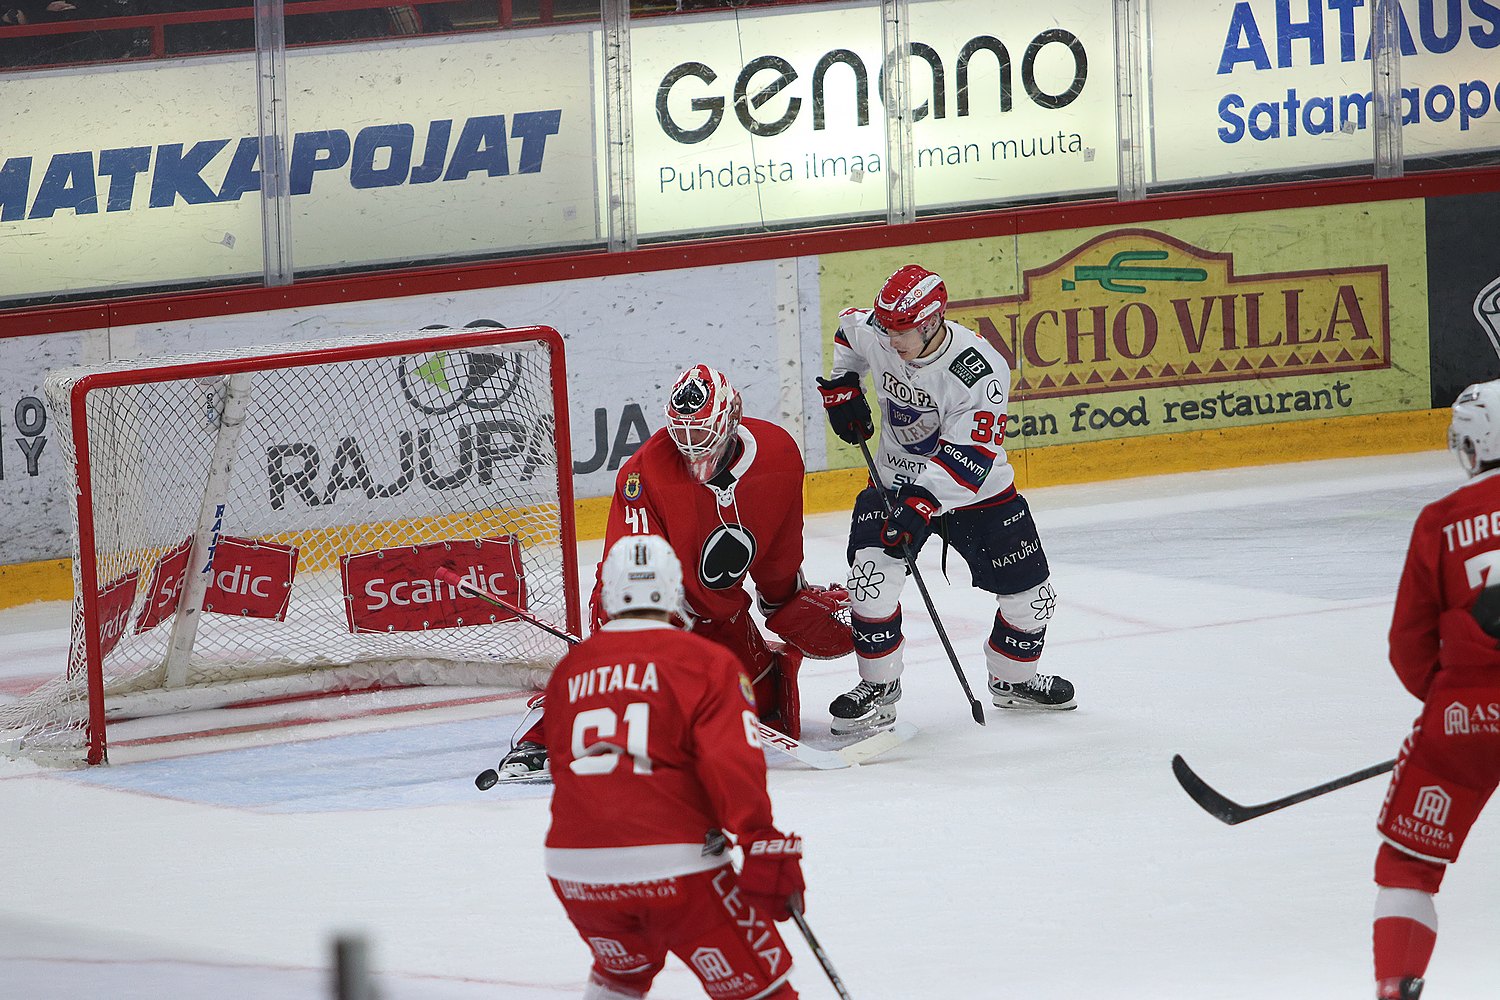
1137, 309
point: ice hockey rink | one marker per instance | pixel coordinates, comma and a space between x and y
1235, 617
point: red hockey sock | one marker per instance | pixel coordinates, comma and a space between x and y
1402, 947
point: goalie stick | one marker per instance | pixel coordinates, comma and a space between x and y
911, 565
822, 760
1228, 811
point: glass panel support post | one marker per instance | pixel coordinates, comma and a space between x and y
900, 151
1129, 119
270, 86
619, 134
1385, 85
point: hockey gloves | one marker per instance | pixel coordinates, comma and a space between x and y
910, 519
815, 620
771, 879
848, 413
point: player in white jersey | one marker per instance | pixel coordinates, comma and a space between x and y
943, 393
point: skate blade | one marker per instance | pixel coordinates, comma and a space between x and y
528, 778
1023, 705
863, 727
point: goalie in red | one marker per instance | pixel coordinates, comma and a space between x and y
1444, 650
653, 735
726, 491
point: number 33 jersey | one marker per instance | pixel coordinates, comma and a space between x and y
653, 742
942, 417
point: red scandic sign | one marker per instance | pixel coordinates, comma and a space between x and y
163, 588
115, 599
251, 579
398, 590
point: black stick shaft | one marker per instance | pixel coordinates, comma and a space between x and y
1226, 810
911, 565
818, 952
463, 586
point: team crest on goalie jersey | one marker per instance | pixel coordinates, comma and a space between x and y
747, 690
632, 490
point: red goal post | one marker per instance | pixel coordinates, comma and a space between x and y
268, 523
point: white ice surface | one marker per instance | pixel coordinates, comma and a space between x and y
1236, 617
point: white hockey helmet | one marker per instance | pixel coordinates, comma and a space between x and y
1474, 434
703, 413
641, 573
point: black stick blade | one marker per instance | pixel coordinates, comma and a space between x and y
1216, 805
977, 709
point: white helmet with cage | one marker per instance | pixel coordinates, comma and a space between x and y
703, 414
1474, 434
641, 573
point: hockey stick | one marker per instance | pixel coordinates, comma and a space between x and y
911, 565
820, 760
1227, 811
818, 952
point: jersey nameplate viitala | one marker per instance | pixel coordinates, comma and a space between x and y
970, 367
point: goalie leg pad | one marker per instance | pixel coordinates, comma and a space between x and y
815, 620
788, 698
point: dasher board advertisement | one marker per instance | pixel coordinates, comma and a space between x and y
428, 149
771, 117
1262, 86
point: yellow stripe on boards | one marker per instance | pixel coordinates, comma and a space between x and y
1055, 465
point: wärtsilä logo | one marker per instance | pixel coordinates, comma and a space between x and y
1136, 309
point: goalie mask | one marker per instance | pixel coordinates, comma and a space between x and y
641, 573
1474, 434
703, 413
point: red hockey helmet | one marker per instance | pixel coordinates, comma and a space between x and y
909, 298
703, 413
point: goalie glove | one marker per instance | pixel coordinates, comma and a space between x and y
910, 519
815, 620
771, 878
848, 412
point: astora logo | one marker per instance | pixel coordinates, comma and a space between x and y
712, 965
1432, 805
708, 106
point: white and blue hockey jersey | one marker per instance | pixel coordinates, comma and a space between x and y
942, 416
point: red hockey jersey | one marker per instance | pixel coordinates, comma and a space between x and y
747, 521
1454, 553
652, 736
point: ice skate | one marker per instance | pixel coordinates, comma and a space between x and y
527, 762
870, 707
1407, 988
1043, 691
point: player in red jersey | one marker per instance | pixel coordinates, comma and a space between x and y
655, 755
726, 491
1444, 650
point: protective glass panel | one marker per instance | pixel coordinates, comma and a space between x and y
1258, 90
123, 165
1015, 109
434, 142
756, 119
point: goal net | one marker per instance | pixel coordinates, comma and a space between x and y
280, 521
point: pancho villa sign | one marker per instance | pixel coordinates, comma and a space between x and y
1137, 309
